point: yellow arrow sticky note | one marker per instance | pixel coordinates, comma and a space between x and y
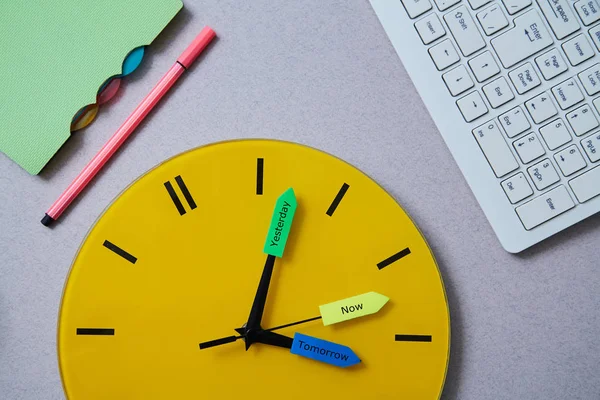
352, 307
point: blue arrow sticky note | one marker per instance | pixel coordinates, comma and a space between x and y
323, 350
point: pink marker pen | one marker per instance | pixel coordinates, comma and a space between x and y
91, 169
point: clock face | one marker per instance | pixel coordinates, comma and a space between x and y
176, 261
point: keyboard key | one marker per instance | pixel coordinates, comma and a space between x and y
527, 38
465, 32
586, 186
475, 4
595, 35
582, 120
570, 160
567, 93
543, 174
590, 79
444, 54
414, 8
492, 19
472, 106
514, 122
445, 4
596, 103
559, 16
484, 66
545, 207
551, 64
588, 10
555, 134
591, 145
514, 6
529, 148
578, 50
495, 149
430, 28
498, 92
458, 80
517, 188
524, 78
540, 108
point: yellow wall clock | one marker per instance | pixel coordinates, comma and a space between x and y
171, 295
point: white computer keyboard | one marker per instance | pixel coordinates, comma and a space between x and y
514, 88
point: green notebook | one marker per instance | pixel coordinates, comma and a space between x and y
54, 56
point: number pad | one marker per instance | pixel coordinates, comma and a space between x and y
543, 174
567, 93
541, 108
582, 120
570, 160
555, 134
517, 188
529, 148
514, 122
591, 145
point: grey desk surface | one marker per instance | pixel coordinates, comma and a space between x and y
322, 73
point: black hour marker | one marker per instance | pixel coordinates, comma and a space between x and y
394, 258
119, 251
413, 338
186, 194
337, 199
260, 164
96, 331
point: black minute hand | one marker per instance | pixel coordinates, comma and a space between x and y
279, 229
258, 306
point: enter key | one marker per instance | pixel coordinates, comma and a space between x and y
527, 37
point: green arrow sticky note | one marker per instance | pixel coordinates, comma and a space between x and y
352, 307
281, 223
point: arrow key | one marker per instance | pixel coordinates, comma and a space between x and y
484, 66
472, 106
529, 148
567, 93
541, 108
582, 120
570, 160
458, 80
444, 54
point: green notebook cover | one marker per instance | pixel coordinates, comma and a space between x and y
55, 55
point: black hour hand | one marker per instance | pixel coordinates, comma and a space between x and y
273, 339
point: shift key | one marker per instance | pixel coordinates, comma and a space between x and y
527, 37
464, 30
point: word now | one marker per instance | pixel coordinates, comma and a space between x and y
352, 307
323, 350
346, 310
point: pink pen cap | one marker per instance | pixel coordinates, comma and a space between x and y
192, 52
